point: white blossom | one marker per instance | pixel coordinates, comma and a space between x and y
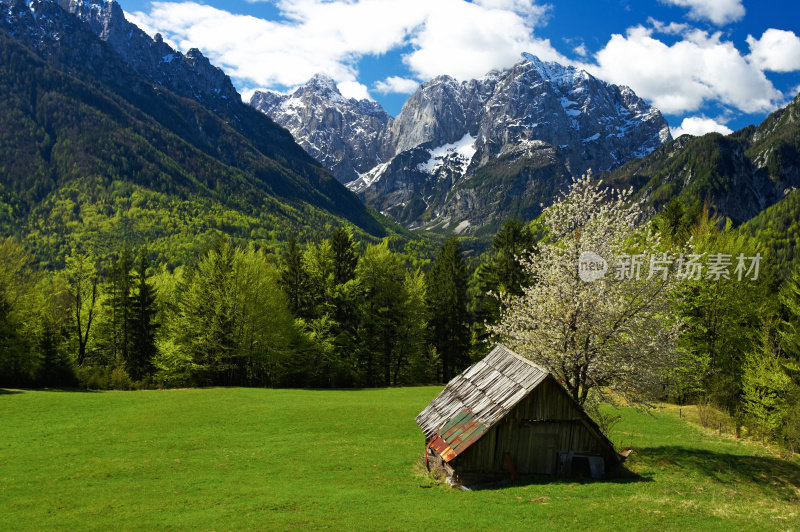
614, 333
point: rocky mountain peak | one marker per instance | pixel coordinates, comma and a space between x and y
551, 71
346, 135
434, 113
538, 122
440, 82
320, 90
322, 85
191, 75
372, 108
101, 15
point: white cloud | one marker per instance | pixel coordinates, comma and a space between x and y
466, 40
519, 6
258, 51
720, 12
581, 50
247, 92
776, 50
396, 85
697, 126
673, 28
143, 24
353, 89
685, 75
453, 37
535, 14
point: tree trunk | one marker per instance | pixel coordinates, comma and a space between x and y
81, 351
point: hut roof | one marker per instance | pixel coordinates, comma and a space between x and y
475, 400
479, 397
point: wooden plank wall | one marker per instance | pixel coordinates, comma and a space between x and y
543, 424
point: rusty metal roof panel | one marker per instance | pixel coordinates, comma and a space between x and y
458, 434
443, 448
488, 390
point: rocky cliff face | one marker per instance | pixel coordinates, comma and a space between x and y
345, 135
190, 75
467, 154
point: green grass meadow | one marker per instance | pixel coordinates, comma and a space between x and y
236, 459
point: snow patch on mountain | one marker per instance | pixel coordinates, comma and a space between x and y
461, 227
462, 151
367, 178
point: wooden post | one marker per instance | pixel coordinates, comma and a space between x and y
427, 450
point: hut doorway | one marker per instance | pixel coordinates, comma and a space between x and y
571, 464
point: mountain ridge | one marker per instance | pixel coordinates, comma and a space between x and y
738, 175
586, 123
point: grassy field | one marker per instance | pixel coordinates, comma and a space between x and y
345, 460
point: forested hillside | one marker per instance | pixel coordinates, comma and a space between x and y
778, 227
738, 175
94, 155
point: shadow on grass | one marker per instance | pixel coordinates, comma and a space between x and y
69, 390
620, 476
4, 391
772, 476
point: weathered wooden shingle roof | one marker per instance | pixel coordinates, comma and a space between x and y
480, 396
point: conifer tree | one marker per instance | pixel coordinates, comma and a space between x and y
233, 325
207, 317
345, 255
382, 295
345, 261
294, 278
118, 307
447, 308
318, 269
411, 349
512, 242
143, 327
789, 327
502, 273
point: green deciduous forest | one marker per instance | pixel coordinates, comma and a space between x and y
332, 313
342, 312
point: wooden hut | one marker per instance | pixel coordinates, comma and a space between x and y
506, 415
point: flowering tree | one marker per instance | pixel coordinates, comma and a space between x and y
592, 325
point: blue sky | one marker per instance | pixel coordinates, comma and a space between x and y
707, 64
